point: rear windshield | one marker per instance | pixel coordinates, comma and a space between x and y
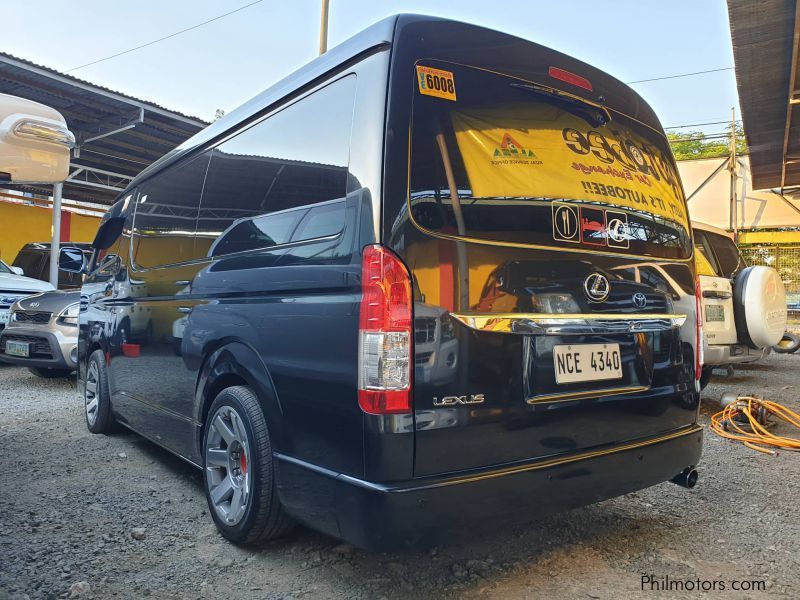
500, 159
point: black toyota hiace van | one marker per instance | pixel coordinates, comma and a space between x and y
385, 300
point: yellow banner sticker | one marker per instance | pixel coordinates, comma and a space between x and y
541, 151
436, 82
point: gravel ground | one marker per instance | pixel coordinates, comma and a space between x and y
72, 504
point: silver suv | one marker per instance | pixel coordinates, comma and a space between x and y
42, 334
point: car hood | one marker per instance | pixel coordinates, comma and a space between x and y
12, 283
54, 301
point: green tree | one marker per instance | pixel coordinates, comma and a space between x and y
688, 145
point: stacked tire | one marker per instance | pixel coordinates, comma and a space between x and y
789, 343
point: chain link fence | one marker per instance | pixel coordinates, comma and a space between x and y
785, 260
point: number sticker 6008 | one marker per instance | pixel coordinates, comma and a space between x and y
436, 82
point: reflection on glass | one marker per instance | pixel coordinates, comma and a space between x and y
166, 214
513, 163
268, 185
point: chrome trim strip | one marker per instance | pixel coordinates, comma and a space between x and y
565, 396
457, 480
569, 324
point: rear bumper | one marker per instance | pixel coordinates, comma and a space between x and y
731, 354
426, 510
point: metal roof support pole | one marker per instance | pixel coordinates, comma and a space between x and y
708, 179
57, 189
734, 215
792, 91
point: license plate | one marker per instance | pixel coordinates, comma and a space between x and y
715, 312
587, 362
18, 348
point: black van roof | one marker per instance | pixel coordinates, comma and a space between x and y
381, 35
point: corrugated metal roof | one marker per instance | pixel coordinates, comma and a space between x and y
92, 110
764, 44
84, 82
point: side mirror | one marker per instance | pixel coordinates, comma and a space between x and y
71, 260
34, 142
18, 270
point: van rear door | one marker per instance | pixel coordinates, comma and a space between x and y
716, 291
526, 208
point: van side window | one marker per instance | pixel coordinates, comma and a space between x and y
165, 221
283, 179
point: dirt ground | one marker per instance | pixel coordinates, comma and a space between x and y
69, 502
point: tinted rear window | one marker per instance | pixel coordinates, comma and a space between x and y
730, 261
500, 159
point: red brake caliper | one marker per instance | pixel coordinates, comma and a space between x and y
243, 462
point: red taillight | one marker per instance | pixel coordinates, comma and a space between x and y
563, 75
384, 344
699, 358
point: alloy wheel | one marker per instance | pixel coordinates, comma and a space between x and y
91, 398
227, 452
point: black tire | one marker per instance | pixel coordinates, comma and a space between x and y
263, 517
788, 344
103, 421
705, 377
48, 373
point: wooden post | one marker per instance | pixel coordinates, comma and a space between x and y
323, 28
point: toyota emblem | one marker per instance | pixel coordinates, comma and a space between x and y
597, 287
639, 300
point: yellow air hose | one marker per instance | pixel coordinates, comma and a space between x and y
745, 419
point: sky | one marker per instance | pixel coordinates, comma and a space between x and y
224, 63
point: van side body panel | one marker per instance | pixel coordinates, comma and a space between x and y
285, 321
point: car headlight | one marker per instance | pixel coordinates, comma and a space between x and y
555, 304
446, 325
69, 315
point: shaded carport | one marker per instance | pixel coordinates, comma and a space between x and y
765, 36
117, 135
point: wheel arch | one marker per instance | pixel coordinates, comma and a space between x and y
236, 363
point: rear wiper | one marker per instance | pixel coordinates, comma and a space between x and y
596, 116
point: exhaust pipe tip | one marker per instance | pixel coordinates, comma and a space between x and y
687, 478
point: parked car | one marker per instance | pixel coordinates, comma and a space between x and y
13, 286
328, 258
42, 334
744, 307
34, 260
